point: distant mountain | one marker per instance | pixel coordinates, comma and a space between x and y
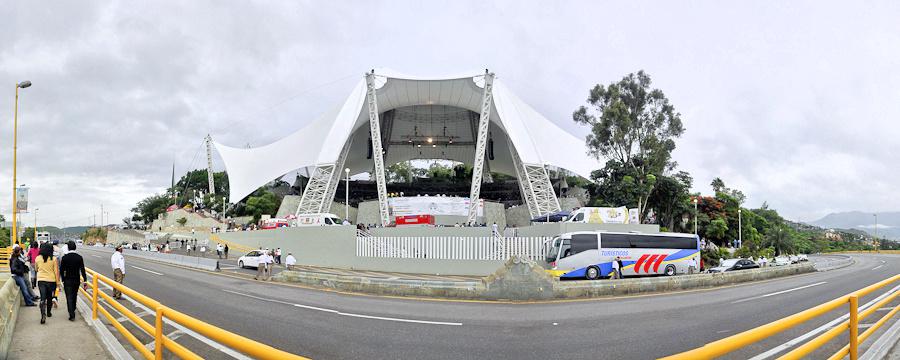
888, 223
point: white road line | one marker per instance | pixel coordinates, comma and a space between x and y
877, 267
96, 256
316, 308
780, 292
149, 271
183, 329
819, 329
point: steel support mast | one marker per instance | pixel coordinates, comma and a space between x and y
377, 152
209, 169
484, 123
322, 185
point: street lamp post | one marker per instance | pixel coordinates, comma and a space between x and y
695, 216
875, 240
35, 225
740, 230
21, 85
347, 195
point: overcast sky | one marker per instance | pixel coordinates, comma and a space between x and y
797, 104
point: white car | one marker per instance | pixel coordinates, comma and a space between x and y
782, 260
250, 260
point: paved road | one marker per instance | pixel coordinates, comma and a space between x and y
327, 325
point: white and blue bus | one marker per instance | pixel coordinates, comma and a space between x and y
590, 254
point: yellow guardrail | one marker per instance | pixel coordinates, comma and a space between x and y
231, 245
732, 343
234, 341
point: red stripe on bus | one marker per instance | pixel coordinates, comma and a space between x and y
658, 262
649, 262
637, 265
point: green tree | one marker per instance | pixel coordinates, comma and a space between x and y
635, 125
440, 172
262, 204
149, 208
671, 201
716, 229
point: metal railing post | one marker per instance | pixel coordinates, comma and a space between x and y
854, 326
159, 333
96, 287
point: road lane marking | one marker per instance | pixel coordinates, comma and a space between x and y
780, 292
819, 329
228, 351
400, 320
96, 256
336, 312
149, 271
877, 267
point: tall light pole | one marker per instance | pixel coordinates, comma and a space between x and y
875, 240
347, 195
35, 224
21, 85
695, 216
740, 230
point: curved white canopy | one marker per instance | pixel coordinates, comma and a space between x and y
447, 103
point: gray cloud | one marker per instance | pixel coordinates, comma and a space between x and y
795, 103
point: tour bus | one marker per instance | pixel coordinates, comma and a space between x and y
589, 254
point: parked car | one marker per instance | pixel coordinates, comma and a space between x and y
734, 264
782, 260
803, 257
250, 260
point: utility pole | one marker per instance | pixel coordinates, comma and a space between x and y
101, 214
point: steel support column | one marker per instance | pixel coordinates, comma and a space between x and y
377, 153
535, 186
209, 169
481, 145
320, 189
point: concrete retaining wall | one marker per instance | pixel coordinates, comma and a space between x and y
127, 236
10, 299
174, 259
523, 280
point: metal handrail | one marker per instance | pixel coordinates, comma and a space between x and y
738, 341
234, 341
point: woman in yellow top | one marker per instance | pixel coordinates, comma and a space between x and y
47, 278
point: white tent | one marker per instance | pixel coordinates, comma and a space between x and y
420, 118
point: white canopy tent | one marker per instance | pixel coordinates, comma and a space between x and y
419, 118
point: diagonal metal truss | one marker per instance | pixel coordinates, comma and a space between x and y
377, 152
322, 185
480, 145
209, 169
535, 186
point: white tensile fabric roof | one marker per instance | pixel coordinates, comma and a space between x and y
536, 139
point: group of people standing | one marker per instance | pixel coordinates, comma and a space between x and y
50, 266
268, 259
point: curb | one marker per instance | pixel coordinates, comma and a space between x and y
882, 347
845, 263
112, 345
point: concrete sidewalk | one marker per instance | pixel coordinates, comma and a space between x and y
59, 338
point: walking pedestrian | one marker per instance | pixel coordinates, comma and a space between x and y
261, 266
48, 279
72, 266
219, 250
290, 261
617, 268
32, 254
18, 269
692, 266
118, 264
270, 265
226, 251
203, 251
278, 256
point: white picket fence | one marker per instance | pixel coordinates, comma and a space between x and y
451, 247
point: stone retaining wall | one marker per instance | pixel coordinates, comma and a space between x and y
521, 279
10, 299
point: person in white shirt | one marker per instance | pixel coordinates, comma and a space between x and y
278, 256
261, 266
219, 250
270, 261
617, 273
692, 266
118, 265
290, 261
203, 251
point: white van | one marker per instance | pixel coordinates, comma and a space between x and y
321, 219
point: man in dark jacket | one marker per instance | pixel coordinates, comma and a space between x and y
71, 272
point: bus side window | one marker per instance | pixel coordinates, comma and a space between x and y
579, 217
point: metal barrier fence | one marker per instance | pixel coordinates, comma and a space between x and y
234, 341
451, 247
735, 342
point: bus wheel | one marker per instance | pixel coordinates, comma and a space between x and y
592, 273
670, 270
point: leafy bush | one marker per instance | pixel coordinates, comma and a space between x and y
181, 221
